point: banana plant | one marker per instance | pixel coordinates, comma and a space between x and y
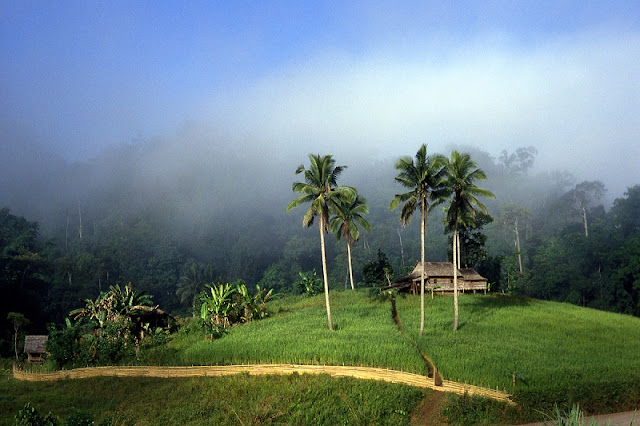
217, 305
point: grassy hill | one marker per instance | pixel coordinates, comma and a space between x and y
558, 353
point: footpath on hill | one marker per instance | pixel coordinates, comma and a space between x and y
371, 373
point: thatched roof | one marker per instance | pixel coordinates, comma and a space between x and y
470, 274
35, 344
436, 270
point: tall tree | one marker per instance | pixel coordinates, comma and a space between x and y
423, 177
583, 195
512, 215
320, 189
348, 213
18, 320
462, 172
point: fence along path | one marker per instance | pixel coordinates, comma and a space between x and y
371, 373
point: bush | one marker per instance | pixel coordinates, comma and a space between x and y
66, 346
467, 410
29, 415
78, 345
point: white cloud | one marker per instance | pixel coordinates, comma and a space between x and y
576, 99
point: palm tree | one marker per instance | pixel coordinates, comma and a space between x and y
320, 189
462, 172
423, 177
193, 281
348, 214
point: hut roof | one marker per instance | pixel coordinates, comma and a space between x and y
470, 274
35, 344
435, 269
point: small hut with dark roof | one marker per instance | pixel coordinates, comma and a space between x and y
473, 280
439, 277
35, 347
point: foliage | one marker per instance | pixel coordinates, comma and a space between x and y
468, 410
80, 344
472, 242
29, 416
320, 189
348, 214
107, 330
117, 313
309, 283
379, 272
575, 417
424, 180
193, 281
25, 270
227, 304
18, 320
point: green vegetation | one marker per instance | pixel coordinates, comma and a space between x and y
424, 180
553, 352
365, 334
243, 399
320, 189
461, 173
556, 353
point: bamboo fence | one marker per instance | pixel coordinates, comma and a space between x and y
370, 373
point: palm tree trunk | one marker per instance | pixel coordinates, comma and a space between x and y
458, 250
350, 267
324, 272
422, 231
455, 280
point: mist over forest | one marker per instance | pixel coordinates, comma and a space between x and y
158, 145
160, 213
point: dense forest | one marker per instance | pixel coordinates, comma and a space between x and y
170, 220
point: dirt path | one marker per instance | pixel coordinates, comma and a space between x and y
628, 418
371, 373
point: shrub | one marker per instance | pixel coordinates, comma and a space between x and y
29, 415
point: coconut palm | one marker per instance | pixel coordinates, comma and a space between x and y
320, 189
193, 281
423, 177
461, 173
348, 213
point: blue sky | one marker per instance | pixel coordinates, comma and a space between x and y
328, 76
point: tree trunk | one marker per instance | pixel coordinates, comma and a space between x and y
584, 218
401, 247
15, 342
350, 267
423, 214
518, 247
324, 271
455, 280
66, 234
80, 219
458, 250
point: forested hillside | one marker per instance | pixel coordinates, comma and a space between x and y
170, 220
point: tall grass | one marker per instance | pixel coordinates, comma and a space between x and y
297, 333
295, 399
556, 352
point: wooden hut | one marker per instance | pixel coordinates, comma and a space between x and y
35, 348
473, 281
439, 277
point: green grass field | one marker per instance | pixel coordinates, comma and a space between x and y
559, 353
295, 399
297, 333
